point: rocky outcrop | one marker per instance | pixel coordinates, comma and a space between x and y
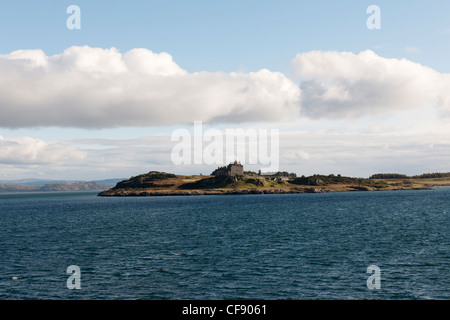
362, 188
146, 193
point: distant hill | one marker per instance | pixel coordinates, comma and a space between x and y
43, 182
32, 182
70, 186
17, 188
108, 182
77, 186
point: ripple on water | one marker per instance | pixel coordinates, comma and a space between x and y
310, 246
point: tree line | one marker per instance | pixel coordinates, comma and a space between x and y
403, 176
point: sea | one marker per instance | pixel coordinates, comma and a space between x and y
341, 246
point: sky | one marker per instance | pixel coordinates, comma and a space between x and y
103, 101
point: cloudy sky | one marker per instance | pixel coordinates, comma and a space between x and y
102, 101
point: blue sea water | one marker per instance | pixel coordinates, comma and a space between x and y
294, 246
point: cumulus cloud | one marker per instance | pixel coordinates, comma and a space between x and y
87, 87
98, 88
31, 151
347, 85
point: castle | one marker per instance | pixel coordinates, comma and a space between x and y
232, 169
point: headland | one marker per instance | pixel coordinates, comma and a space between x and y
233, 180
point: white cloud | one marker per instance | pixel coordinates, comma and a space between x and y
98, 88
405, 150
88, 87
342, 96
31, 151
347, 85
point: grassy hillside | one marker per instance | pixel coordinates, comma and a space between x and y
160, 183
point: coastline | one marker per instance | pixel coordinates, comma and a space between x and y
199, 192
155, 184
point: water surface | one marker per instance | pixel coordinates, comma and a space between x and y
292, 246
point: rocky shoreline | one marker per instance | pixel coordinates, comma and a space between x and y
146, 193
149, 193
157, 183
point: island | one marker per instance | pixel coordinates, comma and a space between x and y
232, 179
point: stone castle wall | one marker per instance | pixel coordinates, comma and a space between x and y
231, 170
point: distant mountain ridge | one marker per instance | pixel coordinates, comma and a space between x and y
43, 182
36, 185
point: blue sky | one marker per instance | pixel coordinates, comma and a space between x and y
240, 37
232, 35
